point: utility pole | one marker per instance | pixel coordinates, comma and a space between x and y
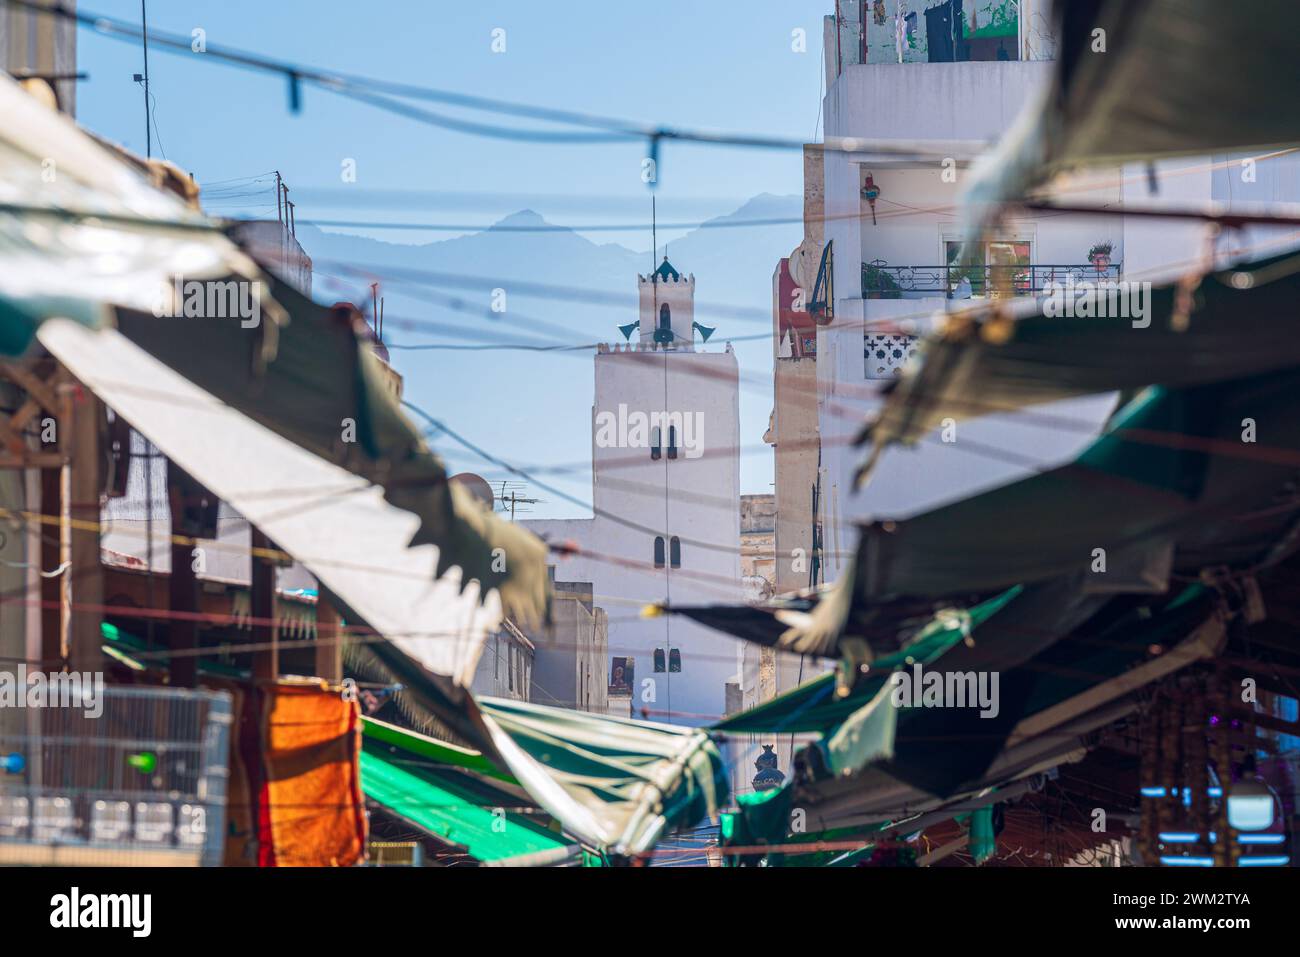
144, 38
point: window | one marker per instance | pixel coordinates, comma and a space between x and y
675, 552
659, 551
659, 661
665, 317
510, 666
672, 441
674, 659
655, 447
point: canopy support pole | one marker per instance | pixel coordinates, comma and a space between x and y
266, 641
183, 592
83, 580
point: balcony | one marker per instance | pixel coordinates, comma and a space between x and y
882, 281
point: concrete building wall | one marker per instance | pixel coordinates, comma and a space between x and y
505, 669
571, 662
952, 107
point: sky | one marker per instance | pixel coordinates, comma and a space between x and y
720, 66
714, 66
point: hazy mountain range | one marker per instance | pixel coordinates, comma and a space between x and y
533, 408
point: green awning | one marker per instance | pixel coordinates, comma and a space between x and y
617, 783
817, 706
438, 794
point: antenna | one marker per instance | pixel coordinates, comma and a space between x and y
144, 38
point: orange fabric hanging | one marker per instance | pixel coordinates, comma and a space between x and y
310, 808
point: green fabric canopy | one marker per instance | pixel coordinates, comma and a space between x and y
818, 706
617, 783
433, 786
614, 783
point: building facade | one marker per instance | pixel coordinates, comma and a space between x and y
571, 665
949, 80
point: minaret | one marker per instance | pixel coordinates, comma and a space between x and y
667, 309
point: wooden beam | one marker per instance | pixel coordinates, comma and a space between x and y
182, 591
81, 487
329, 639
51, 557
266, 638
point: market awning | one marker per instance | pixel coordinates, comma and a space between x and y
86, 235
1091, 676
312, 378
438, 788
1138, 80
1239, 324
345, 532
1177, 470
617, 783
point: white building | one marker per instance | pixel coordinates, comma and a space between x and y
666, 502
952, 81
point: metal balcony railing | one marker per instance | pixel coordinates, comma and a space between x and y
882, 281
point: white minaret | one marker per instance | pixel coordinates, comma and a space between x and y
666, 490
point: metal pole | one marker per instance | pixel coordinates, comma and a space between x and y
144, 38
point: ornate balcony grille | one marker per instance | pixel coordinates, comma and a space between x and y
882, 281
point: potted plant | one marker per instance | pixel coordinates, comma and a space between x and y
1099, 255
878, 284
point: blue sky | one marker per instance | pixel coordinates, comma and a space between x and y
716, 65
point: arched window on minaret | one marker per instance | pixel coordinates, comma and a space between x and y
672, 441
659, 551
654, 442
675, 552
665, 317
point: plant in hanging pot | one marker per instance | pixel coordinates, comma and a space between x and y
1099, 255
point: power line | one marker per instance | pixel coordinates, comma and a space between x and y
381, 93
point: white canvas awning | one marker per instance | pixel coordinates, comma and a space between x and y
335, 523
